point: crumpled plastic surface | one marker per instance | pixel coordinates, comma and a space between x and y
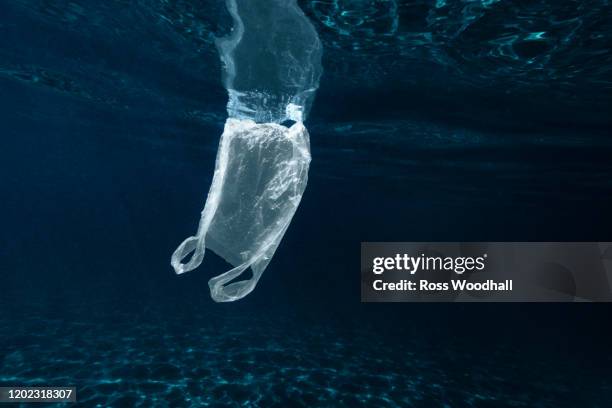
260, 176
270, 60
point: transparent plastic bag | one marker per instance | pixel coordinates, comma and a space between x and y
260, 175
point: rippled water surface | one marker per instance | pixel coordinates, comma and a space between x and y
455, 76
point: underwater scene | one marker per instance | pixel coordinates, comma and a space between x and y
185, 186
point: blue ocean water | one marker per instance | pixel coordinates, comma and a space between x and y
435, 120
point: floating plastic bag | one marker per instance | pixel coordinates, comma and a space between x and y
271, 63
260, 175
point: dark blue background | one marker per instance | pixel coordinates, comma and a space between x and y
422, 130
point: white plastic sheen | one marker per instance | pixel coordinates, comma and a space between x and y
260, 176
271, 61
271, 66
